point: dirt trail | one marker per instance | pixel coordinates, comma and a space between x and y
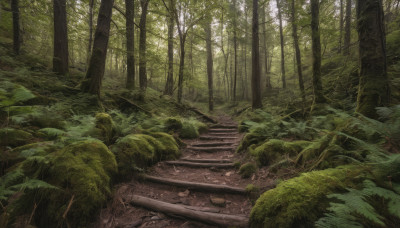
202, 189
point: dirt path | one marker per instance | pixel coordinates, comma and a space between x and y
202, 189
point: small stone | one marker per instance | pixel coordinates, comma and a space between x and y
155, 218
220, 202
228, 174
184, 194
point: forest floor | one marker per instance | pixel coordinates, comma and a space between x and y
222, 140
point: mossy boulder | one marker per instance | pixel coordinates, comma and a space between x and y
173, 124
247, 169
104, 128
302, 200
188, 131
274, 149
82, 171
142, 150
14, 137
250, 139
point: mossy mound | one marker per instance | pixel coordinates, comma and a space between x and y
274, 149
82, 171
104, 128
142, 150
247, 169
14, 137
302, 200
188, 131
173, 124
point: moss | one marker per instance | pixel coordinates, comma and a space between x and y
250, 139
51, 133
169, 148
274, 149
104, 128
313, 150
14, 137
247, 169
302, 200
188, 131
173, 124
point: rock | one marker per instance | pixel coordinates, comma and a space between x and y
220, 202
184, 194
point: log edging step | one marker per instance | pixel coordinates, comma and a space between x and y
201, 164
212, 144
195, 185
224, 220
212, 149
222, 130
206, 160
210, 137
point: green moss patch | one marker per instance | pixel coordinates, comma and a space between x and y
14, 137
247, 169
104, 128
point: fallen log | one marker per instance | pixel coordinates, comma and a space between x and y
195, 185
224, 220
201, 165
205, 116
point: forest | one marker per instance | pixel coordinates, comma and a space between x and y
199, 113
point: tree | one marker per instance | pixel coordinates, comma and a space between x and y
316, 51
142, 46
130, 41
60, 57
347, 29
16, 34
234, 49
341, 27
255, 77
91, 5
169, 85
374, 90
282, 44
95, 72
207, 29
266, 59
297, 49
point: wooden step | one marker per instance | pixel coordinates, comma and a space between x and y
213, 149
217, 188
212, 144
228, 126
201, 165
219, 130
207, 160
211, 137
223, 220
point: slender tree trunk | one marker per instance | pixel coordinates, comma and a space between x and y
282, 45
142, 46
181, 67
234, 50
347, 29
60, 58
245, 93
316, 51
209, 65
255, 77
169, 85
95, 73
297, 50
130, 41
374, 90
91, 6
341, 27
267, 77
16, 34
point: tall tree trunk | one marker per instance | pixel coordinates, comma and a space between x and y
234, 50
282, 45
347, 29
245, 92
60, 58
15, 16
181, 67
207, 30
297, 50
130, 41
255, 77
95, 73
169, 85
316, 51
142, 45
341, 27
91, 6
267, 77
374, 90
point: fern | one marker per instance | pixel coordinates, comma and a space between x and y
355, 207
12, 94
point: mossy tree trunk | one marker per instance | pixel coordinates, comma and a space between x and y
207, 30
91, 5
255, 77
340, 27
169, 85
347, 29
374, 84
142, 45
130, 41
316, 51
16, 34
60, 58
297, 50
282, 45
95, 73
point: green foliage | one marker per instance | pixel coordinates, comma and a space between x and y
12, 94
192, 128
356, 208
173, 124
247, 169
104, 128
52, 133
14, 137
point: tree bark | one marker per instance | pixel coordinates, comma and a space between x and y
316, 50
16, 34
267, 77
91, 6
130, 41
234, 50
347, 35
95, 73
255, 77
142, 45
297, 50
60, 58
341, 27
169, 85
207, 29
282, 45
374, 90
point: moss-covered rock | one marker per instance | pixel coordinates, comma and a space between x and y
250, 139
247, 169
14, 137
313, 150
104, 128
188, 131
302, 200
173, 124
274, 149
